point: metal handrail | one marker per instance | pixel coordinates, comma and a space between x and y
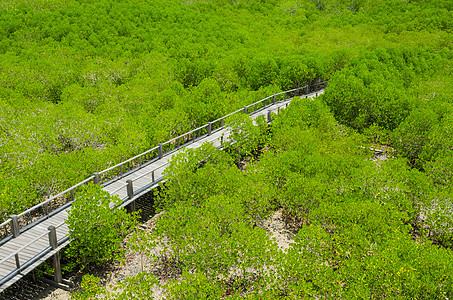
25, 264
129, 160
54, 197
187, 133
143, 175
114, 192
5, 223
28, 244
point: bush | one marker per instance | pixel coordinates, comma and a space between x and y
97, 227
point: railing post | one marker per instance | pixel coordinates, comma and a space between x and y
72, 195
56, 257
96, 178
16, 256
245, 109
15, 226
130, 193
47, 209
130, 189
269, 116
209, 128
152, 175
161, 154
273, 98
223, 122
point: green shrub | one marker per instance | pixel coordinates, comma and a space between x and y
97, 227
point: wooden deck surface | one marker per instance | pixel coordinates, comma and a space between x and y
40, 250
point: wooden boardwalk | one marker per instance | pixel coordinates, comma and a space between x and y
30, 247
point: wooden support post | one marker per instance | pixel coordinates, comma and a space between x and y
72, 195
16, 256
140, 161
223, 122
269, 116
209, 128
161, 154
47, 209
265, 101
255, 107
56, 257
96, 178
130, 189
273, 98
15, 226
245, 109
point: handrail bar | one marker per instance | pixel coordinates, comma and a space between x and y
226, 116
6, 222
128, 160
143, 175
29, 243
23, 247
113, 192
182, 135
56, 196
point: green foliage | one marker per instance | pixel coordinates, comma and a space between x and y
86, 84
245, 134
97, 229
90, 288
191, 178
371, 89
362, 228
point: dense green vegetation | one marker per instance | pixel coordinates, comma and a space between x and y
363, 228
84, 84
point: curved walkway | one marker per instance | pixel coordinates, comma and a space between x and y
27, 247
